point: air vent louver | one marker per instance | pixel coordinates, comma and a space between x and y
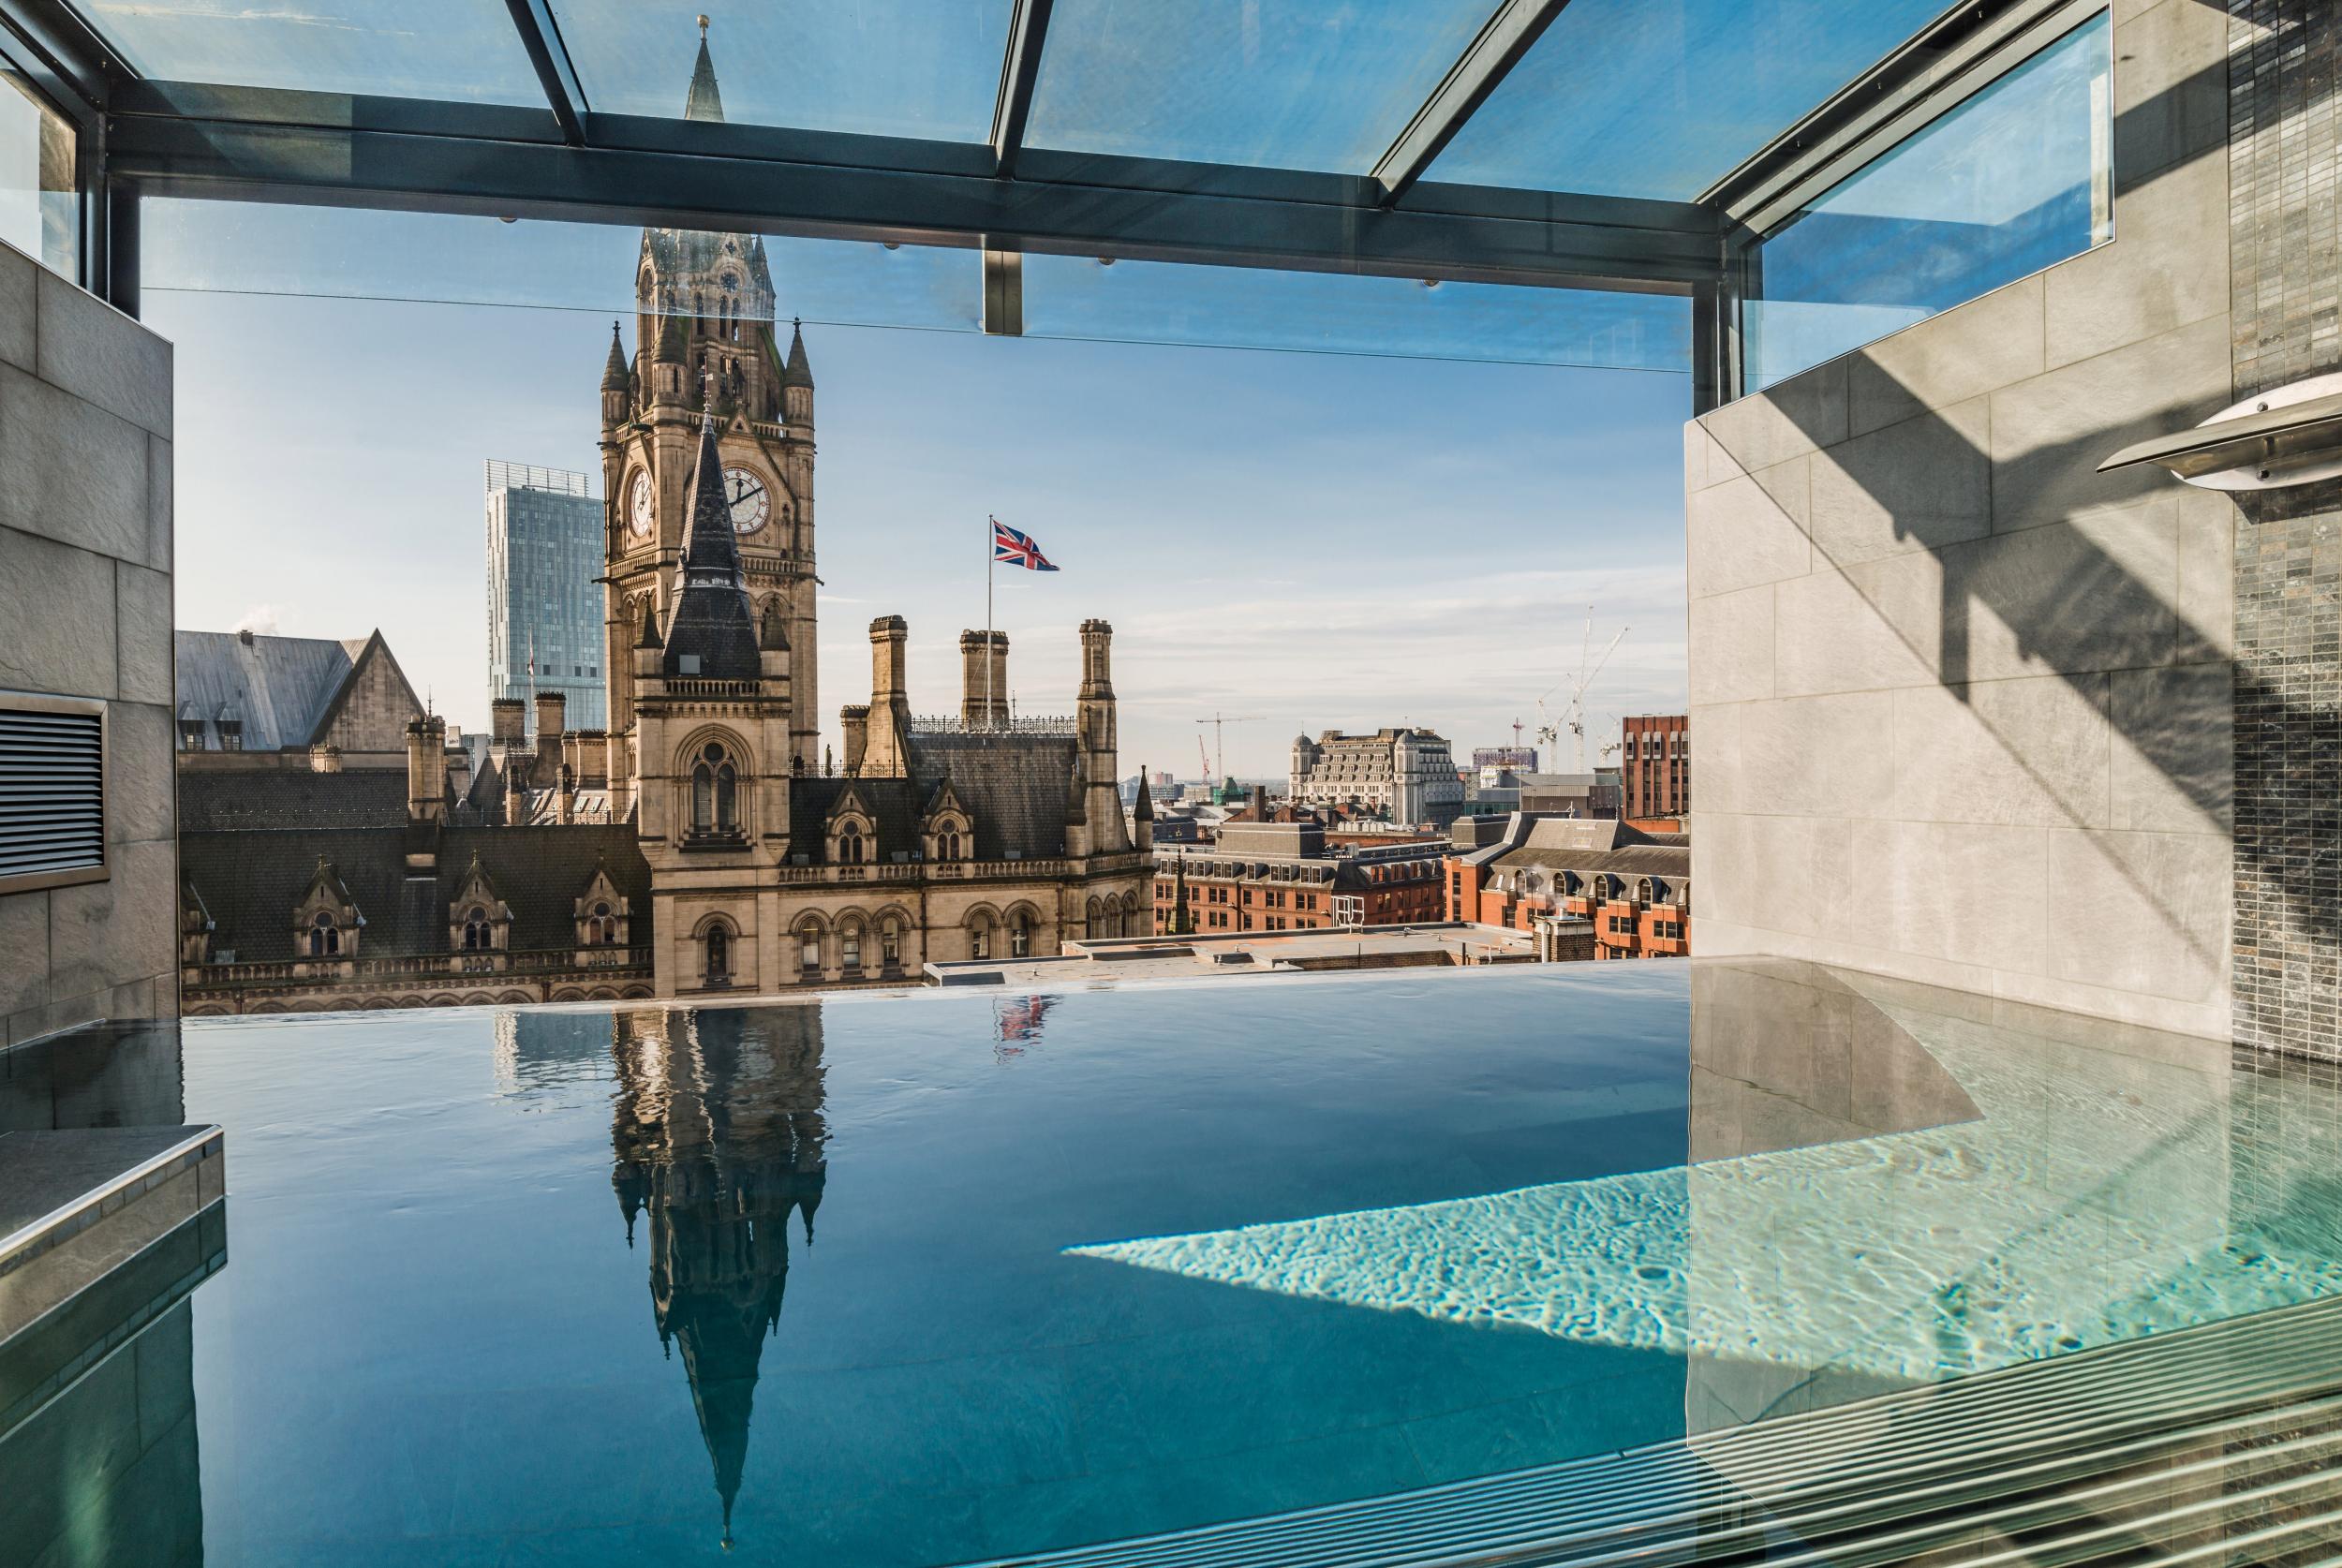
53, 792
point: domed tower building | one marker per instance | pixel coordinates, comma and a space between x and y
705, 334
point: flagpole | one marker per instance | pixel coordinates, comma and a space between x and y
990, 523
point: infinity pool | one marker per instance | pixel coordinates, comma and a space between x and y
942, 1278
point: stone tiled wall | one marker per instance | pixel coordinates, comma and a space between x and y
85, 611
1964, 703
2286, 245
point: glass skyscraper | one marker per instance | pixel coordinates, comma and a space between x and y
544, 604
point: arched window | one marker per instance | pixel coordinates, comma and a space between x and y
325, 939
476, 929
715, 798
850, 949
890, 943
980, 937
949, 845
809, 948
849, 846
719, 956
602, 926
1020, 936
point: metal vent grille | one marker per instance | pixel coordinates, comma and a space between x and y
53, 792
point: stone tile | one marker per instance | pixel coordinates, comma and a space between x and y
58, 1015
1787, 420
1749, 531
161, 538
1874, 625
71, 472
2174, 753
1731, 647
1704, 462
57, 604
24, 950
1718, 727
2171, 99
1785, 874
2206, 605
1965, 892
2028, 751
1989, 343
2208, 1019
2145, 912
2166, 268
101, 933
143, 635
2051, 433
101, 356
2092, 597
1817, 756
18, 296
1919, 485
142, 784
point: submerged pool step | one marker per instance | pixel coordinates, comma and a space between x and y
2214, 1444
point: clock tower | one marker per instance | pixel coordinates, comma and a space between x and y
705, 337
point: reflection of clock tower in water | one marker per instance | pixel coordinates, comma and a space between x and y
703, 329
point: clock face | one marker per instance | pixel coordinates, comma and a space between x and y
752, 503
638, 508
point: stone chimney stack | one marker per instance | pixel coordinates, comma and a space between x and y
552, 708
887, 752
508, 723
984, 679
1260, 802
325, 757
426, 769
854, 717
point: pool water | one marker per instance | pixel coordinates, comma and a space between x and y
943, 1278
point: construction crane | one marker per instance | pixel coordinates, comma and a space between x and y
1219, 745
1573, 713
1206, 758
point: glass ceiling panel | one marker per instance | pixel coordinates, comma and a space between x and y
1319, 85
1662, 98
878, 67
424, 48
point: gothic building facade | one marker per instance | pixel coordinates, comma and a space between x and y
939, 839
705, 842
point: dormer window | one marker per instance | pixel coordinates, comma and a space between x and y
325, 937
476, 929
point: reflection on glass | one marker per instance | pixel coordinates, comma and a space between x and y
2013, 179
1245, 84
881, 67
263, 248
717, 1139
39, 204
1345, 312
1664, 98
422, 49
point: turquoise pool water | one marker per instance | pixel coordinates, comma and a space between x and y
944, 1278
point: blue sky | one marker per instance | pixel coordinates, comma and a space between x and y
1327, 540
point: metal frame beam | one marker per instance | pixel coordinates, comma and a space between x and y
272, 146
540, 36
1020, 67
1516, 25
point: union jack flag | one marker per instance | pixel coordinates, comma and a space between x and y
1018, 1022
1018, 549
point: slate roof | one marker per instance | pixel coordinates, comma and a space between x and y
370, 797
1581, 844
1016, 787
281, 688
712, 623
251, 880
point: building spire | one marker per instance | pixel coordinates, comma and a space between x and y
614, 373
703, 102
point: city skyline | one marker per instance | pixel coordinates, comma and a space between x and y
1402, 550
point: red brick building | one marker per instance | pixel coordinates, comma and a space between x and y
1656, 765
1542, 873
1284, 877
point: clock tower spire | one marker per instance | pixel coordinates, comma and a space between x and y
706, 355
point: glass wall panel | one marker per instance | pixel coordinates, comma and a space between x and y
1341, 313
424, 48
2015, 178
1665, 97
40, 202
881, 67
1214, 82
